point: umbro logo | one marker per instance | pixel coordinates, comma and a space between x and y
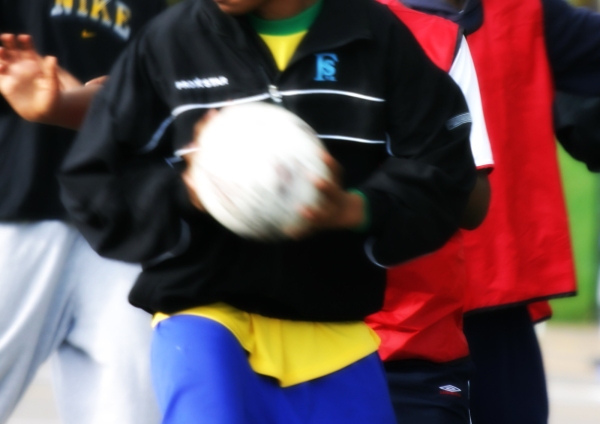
201, 83
450, 390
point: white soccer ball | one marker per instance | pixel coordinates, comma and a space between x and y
254, 170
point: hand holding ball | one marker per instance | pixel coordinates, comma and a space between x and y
255, 168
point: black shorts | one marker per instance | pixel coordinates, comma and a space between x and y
425, 392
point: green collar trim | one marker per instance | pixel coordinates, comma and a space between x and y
293, 25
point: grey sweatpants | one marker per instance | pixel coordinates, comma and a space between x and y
58, 296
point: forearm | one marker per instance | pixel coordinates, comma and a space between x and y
71, 107
479, 202
126, 206
129, 206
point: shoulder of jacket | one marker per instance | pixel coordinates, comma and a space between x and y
185, 14
383, 18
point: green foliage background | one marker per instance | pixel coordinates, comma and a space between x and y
582, 195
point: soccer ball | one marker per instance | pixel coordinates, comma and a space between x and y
255, 169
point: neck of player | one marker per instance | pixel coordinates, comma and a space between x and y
282, 9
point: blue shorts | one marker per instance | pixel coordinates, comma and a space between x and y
201, 375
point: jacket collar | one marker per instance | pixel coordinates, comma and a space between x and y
470, 18
340, 22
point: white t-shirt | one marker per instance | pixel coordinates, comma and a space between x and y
463, 73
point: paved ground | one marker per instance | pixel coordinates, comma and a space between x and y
37, 407
571, 353
572, 359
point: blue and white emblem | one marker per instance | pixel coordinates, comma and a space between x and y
326, 63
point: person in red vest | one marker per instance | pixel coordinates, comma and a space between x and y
422, 343
521, 255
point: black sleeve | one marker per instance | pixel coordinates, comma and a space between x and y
419, 194
573, 43
577, 126
126, 204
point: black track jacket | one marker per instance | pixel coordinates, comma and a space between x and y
398, 126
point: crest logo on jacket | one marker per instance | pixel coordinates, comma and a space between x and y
326, 66
112, 14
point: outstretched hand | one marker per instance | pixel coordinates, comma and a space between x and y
29, 82
38, 89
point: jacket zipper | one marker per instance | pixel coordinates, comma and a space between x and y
275, 93
271, 85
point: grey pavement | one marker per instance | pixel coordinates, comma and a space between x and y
571, 355
38, 406
572, 360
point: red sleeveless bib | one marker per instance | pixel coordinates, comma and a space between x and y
522, 251
422, 313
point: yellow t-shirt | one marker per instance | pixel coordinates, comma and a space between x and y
283, 46
291, 351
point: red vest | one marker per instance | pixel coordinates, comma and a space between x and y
539, 311
522, 251
422, 313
